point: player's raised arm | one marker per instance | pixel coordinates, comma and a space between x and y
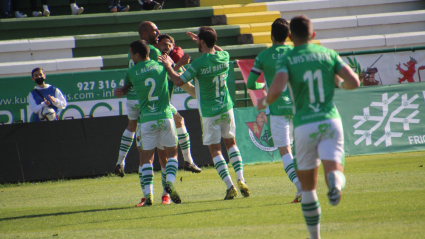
192, 35
195, 38
168, 64
279, 83
349, 81
183, 61
252, 83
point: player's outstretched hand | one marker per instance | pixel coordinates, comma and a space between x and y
166, 60
260, 105
118, 92
192, 35
185, 59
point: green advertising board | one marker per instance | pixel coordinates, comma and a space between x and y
383, 119
87, 93
376, 119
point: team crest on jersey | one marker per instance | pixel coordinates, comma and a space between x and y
259, 133
286, 99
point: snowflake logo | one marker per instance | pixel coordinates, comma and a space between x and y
366, 135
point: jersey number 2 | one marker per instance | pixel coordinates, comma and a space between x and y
151, 81
317, 76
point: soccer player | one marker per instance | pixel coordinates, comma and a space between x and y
210, 72
166, 45
280, 112
149, 32
149, 79
312, 72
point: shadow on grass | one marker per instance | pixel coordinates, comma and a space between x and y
62, 213
144, 217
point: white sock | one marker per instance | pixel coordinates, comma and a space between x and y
126, 142
184, 142
148, 174
312, 212
222, 170
73, 5
236, 161
288, 166
46, 7
171, 169
142, 185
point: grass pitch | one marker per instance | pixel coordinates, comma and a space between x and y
383, 198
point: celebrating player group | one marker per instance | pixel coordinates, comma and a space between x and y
300, 83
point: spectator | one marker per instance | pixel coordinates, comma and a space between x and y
151, 5
44, 96
75, 10
114, 6
12, 5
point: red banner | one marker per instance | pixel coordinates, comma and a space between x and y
245, 66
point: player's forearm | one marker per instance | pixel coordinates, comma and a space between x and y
179, 65
190, 89
174, 76
251, 82
121, 91
217, 48
272, 95
277, 87
349, 81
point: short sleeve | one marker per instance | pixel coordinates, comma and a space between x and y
154, 53
339, 63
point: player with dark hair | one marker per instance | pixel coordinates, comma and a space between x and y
280, 112
149, 79
166, 45
312, 72
210, 72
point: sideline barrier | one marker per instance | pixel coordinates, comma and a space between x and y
79, 148
87, 93
376, 119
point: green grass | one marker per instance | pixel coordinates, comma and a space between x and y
384, 198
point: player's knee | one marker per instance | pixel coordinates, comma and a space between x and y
178, 120
229, 143
132, 125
